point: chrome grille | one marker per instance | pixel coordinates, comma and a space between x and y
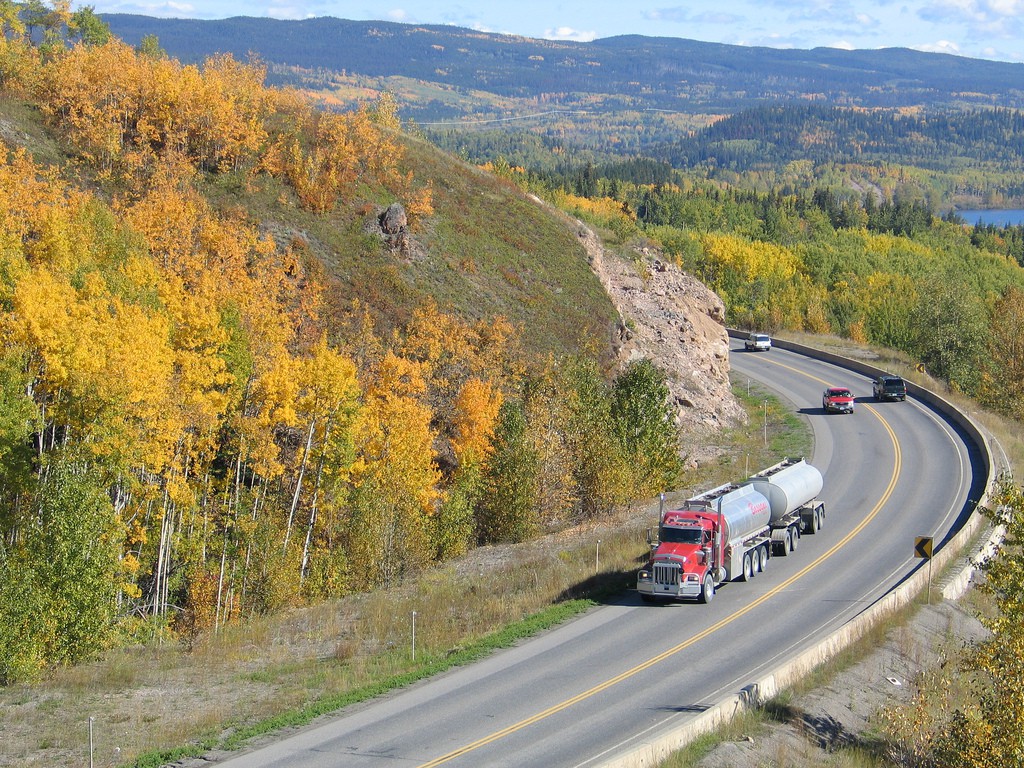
666, 573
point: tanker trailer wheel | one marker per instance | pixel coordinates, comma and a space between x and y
814, 523
762, 558
786, 543
707, 592
794, 538
748, 567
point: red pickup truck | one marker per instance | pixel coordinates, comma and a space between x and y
837, 400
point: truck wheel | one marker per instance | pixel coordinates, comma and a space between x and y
762, 558
794, 538
748, 567
707, 592
812, 524
782, 547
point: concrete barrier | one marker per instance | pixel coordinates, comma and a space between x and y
654, 751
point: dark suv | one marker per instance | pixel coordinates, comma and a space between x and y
890, 388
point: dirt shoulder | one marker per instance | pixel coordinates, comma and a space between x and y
842, 713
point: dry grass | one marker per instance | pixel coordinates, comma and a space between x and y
161, 697
158, 698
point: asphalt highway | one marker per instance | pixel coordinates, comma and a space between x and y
588, 690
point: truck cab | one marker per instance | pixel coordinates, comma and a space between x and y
681, 561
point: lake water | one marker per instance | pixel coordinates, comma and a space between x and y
1000, 217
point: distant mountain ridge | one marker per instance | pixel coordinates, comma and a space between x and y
626, 72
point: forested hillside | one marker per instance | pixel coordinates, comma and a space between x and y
944, 159
224, 392
870, 267
749, 116
611, 74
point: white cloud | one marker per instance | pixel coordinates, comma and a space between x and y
973, 10
172, 9
1002, 8
842, 45
288, 12
678, 15
568, 33
940, 46
397, 14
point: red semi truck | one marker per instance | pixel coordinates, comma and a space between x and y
730, 532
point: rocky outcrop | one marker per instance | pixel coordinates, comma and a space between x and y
673, 319
393, 228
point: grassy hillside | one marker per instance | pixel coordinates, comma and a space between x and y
487, 250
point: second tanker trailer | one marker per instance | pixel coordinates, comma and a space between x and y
730, 532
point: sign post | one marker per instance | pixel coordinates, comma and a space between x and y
923, 548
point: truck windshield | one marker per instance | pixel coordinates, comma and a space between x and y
681, 535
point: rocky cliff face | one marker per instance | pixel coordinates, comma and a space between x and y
674, 320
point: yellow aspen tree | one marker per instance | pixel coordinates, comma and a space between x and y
377, 150
500, 357
545, 414
95, 94
473, 424
395, 482
358, 337
231, 131
327, 389
886, 309
168, 215
330, 401
476, 415
1006, 354
28, 196
11, 25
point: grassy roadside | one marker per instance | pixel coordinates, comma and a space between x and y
805, 725
158, 703
429, 663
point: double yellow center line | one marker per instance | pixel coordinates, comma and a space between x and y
490, 739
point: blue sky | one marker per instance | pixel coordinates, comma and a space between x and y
981, 29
